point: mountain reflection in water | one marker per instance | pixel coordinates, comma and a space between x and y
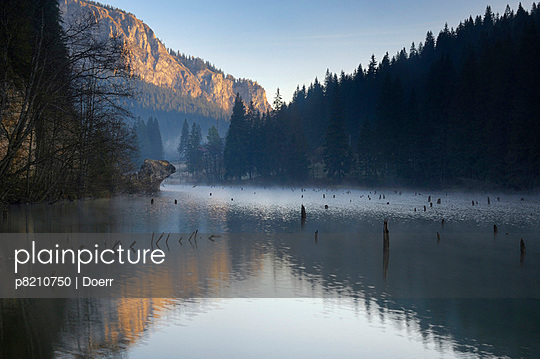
462, 293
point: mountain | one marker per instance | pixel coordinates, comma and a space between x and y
171, 86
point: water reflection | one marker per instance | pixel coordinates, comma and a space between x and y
44, 328
166, 327
462, 295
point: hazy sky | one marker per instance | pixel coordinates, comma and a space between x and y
288, 43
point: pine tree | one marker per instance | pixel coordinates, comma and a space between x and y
314, 120
154, 136
182, 144
429, 47
214, 154
372, 68
252, 120
194, 157
235, 152
143, 142
264, 150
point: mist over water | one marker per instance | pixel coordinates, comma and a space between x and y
452, 290
277, 210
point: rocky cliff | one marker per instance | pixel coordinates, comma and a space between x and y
157, 65
149, 177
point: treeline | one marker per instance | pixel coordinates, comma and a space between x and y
462, 107
170, 124
200, 158
194, 64
61, 134
266, 145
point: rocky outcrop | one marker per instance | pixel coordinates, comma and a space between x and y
153, 63
149, 177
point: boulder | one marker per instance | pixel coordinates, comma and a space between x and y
149, 177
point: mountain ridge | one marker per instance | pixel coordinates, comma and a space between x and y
153, 63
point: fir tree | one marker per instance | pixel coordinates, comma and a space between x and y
182, 144
194, 155
214, 154
235, 153
154, 137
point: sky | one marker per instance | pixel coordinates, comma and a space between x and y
285, 44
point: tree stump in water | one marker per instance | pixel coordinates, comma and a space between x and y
386, 249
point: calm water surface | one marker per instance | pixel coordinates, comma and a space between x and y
267, 288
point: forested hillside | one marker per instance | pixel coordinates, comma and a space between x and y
460, 108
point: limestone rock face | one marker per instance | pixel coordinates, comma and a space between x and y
150, 176
152, 62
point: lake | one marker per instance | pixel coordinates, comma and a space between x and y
257, 281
